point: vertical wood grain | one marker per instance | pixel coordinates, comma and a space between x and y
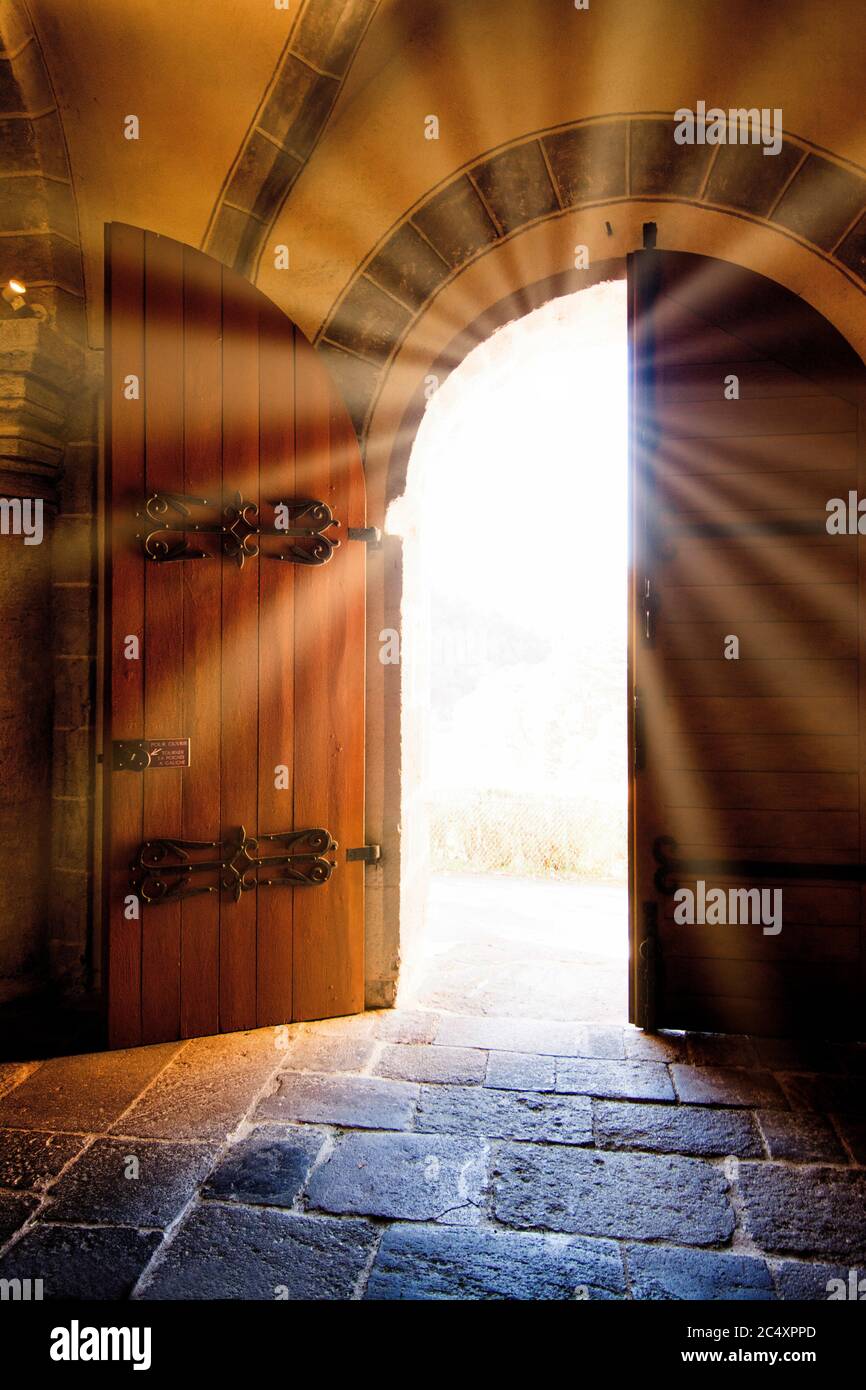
125, 617
202, 649
163, 632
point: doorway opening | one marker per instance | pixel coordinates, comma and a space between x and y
513, 657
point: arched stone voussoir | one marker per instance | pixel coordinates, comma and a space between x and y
801, 192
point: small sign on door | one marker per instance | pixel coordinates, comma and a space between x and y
141, 755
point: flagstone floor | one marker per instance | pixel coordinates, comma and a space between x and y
422, 1154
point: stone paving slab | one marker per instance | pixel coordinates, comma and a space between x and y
632, 1196
15, 1208
83, 1094
268, 1167
97, 1189
331, 1052
530, 1115
813, 1282
250, 1253
424, 1262
853, 1131
800, 1136
511, 1035
205, 1090
13, 1073
727, 1086
805, 1209
520, 1071
615, 1080
717, 1050
362, 1102
602, 1041
407, 1026
684, 1129
29, 1158
80, 1262
419, 1062
414, 1177
654, 1047
660, 1273
841, 1095
364, 1025
798, 1054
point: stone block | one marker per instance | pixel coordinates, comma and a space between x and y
520, 1071
362, 1102
726, 1086
31, 1158
530, 1115
99, 1188
805, 1209
410, 1177
421, 1062
800, 1135
659, 1273
83, 1094
675, 1129
629, 1196
207, 1088
438, 1262
623, 1080
267, 1168
79, 1262
234, 1252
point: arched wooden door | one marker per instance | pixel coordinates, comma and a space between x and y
234, 718
747, 657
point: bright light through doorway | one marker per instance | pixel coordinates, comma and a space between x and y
516, 509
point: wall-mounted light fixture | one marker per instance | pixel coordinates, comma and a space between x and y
14, 292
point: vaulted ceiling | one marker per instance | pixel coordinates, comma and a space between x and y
305, 126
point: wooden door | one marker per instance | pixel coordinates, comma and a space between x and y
749, 754
235, 620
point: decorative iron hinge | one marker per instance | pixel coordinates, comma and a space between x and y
305, 524
164, 870
369, 854
137, 755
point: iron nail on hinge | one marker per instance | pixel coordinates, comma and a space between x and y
368, 854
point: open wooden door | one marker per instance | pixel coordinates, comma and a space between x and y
746, 647
233, 753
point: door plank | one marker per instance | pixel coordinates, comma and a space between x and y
276, 665
124, 715
163, 340
202, 618
329, 696
240, 666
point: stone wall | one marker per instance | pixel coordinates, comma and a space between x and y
47, 593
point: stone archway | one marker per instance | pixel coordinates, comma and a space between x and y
805, 194
804, 223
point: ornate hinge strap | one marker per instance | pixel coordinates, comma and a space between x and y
302, 522
170, 870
